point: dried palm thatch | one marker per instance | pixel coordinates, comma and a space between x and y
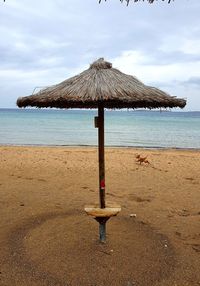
101, 84
150, 1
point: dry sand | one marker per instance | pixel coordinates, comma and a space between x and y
47, 239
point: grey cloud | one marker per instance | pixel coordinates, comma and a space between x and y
192, 81
61, 36
166, 58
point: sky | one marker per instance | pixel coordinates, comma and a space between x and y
45, 42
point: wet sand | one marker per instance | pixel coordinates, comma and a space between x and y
47, 239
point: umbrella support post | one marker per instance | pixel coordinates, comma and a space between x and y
100, 125
102, 228
102, 221
102, 212
102, 232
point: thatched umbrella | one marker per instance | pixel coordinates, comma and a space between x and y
150, 1
101, 86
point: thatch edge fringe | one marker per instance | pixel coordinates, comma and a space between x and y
109, 104
150, 1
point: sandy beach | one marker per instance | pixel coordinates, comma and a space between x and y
47, 239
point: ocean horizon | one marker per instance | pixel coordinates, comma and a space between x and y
123, 128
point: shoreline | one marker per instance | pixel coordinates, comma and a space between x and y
96, 146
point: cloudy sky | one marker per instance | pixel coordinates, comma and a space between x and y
45, 42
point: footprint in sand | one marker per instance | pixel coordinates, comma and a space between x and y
196, 247
190, 240
177, 233
41, 180
189, 178
28, 178
184, 212
139, 199
113, 195
90, 190
192, 180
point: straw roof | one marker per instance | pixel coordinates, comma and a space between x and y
101, 84
150, 1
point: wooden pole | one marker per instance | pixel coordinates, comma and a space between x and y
102, 221
101, 156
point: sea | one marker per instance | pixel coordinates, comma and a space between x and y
124, 128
